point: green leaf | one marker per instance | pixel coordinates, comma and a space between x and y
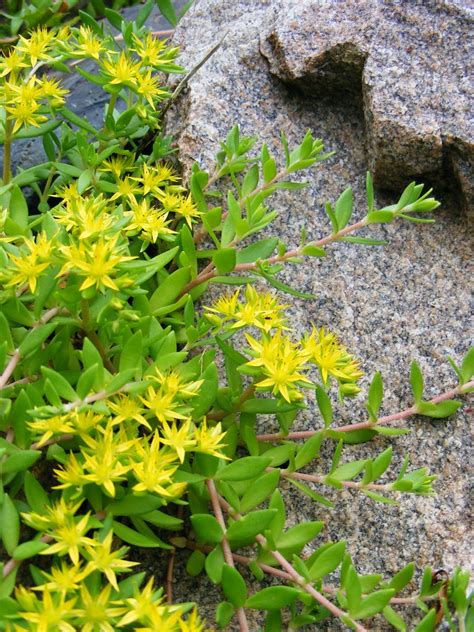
375, 396
233, 586
250, 181
373, 604
265, 406
327, 561
133, 505
10, 525
369, 190
428, 623
35, 337
242, 532
279, 285
314, 251
260, 250
402, 578
207, 528
224, 613
131, 356
130, 536
214, 564
343, 209
20, 461
207, 393
258, 493
467, 366
167, 10
29, 549
243, 469
353, 590
312, 494
381, 463
62, 386
416, 381
348, 471
36, 497
437, 411
294, 539
394, 619
391, 432
380, 217
273, 598
324, 405
364, 241
225, 260
169, 290
18, 208
87, 380
309, 450
195, 563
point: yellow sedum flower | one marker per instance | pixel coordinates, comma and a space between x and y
154, 468
95, 611
122, 71
96, 262
151, 222
100, 557
332, 358
62, 579
87, 44
178, 439
70, 538
47, 612
37, 46
209, 440
280, 362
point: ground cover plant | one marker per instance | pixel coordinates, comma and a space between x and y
131, 408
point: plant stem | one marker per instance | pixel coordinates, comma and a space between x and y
93, 337
243, 624
293, 573
5, 376
408, 412
210, 271
218, 415
315, 478
7, 150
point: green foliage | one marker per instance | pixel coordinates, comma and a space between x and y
129, 414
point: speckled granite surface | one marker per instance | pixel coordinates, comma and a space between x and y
410, 299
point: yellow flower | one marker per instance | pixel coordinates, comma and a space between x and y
59, 424
25, 113
51, 612
62, 578
118, 165
54, 516
163, 404
208, 440
150, 221
181, 441
149, 48
53, 92
126, 188
11, 62
122, 71
28, 270
260, 309
95, 612
101, 558
192, 624
148, 87
324, 350
187, 209
71, 474
171, 382
70, 538
87, 44
153, 178
145, 607
125, 409
103, 466
37, 45
280, 361
154, 469
96, 262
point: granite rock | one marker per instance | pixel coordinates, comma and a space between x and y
410, 299
411, 64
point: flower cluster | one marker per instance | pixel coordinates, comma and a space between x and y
280, 365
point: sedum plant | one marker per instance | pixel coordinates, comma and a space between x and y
134, 417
